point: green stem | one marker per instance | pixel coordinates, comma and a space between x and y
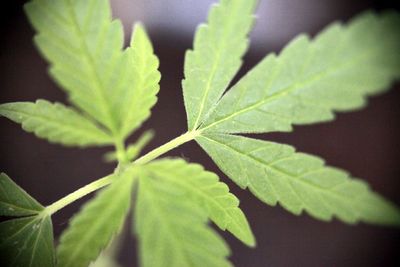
81, 192
102, 182
121, 151
186, 137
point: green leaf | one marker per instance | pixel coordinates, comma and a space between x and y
172, 229
27, 242
84, 47
132, 150
92, 228
55, 123
216, 56
275, 173
14, 201
311, 79
143, 83
207, 192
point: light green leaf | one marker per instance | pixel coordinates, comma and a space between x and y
92, 228
275, 173
132, 150
84, 47
14, 201
207, 192
143, 81
313, 78
27, 242
172, 229
55, 123
216, 56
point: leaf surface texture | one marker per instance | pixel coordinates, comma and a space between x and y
85, 48
172, 229
55, 123
92, 228
143, 81
276, 173
310, 79
216, 56
205, 189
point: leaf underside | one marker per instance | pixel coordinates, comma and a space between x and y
172, 229
206, 191
216, 56
93, 227
276, 173
311, 79
305, 84
84, 46
114, 89
55, 123
143, 81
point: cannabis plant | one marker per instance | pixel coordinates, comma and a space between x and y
111, 90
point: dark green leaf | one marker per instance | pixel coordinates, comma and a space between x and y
27, 242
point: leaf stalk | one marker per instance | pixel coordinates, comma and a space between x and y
81, 192
102, 182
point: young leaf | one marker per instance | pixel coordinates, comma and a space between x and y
172, 229
143, 83
93, 227
205, 189
27, 242
55, 123
216, 56
312, 78
132, 150
14, 201
274, 172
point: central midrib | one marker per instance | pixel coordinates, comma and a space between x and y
266, 165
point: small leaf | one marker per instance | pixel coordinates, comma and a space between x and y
55, 123
132, 150
207, 192
92, 228
172, 229
275, 173
143, 82
14, 201
311, 79
216, 56
27, 242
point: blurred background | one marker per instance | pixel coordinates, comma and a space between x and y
365, 142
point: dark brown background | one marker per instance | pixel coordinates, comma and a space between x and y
365, 142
